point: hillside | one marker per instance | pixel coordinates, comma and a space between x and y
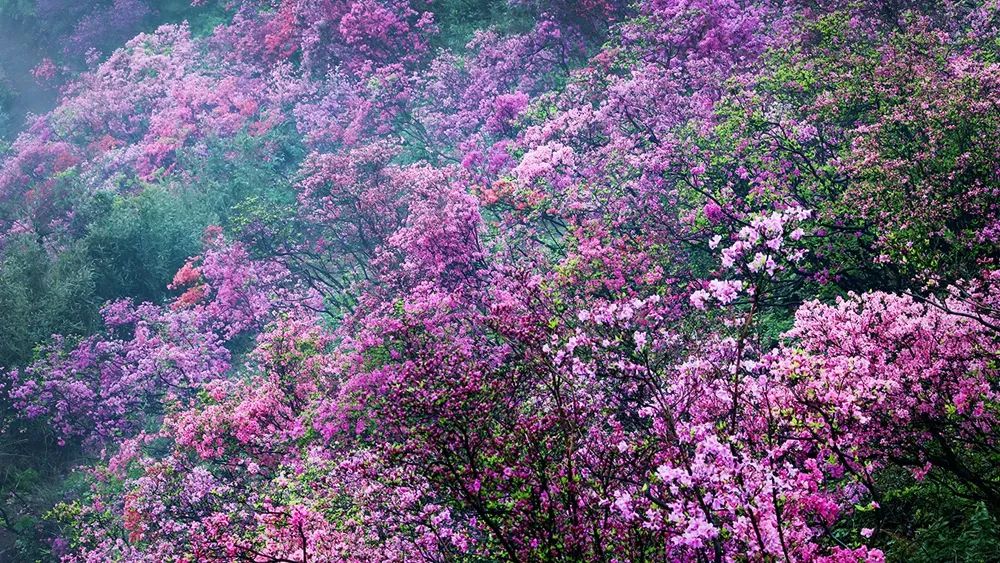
500, 280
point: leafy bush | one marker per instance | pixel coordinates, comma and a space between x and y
526, 280
42, 295
17, 9
137, 242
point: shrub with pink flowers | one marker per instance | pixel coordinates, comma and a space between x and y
509, 281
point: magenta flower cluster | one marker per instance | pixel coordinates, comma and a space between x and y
665, 281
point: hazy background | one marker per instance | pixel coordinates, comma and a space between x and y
43, 43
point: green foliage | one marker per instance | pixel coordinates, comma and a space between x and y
7, 97
33, 477
42, 294
202, 19
232, 170
17, 9
137, 243
459, 19
928, 522
7, 93
266, 223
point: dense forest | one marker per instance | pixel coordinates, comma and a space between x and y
623, 281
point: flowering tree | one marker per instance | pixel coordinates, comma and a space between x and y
685, 281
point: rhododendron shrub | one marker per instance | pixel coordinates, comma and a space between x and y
672, 280
110, 24
889, 379
106, 385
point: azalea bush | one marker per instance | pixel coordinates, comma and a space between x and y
394, 280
